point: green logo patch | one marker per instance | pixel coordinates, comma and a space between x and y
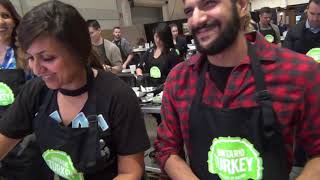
269, 38
155, 72
233, 158
61, 164
314, 53
6, 95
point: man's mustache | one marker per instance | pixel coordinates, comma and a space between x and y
211, 24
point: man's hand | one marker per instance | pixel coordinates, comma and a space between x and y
124, 66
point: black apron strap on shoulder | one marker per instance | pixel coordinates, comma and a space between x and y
262, 95
201, 82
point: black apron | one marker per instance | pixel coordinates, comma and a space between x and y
307, 41
123, 55
210, 128
90, 149
23, 159
267, 32
14, 78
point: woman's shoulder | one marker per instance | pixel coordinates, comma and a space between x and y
109, 82
35, 86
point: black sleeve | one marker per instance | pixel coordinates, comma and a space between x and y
183, 44
128, 128
17, 120
288, 41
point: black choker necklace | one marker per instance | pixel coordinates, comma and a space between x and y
81, 90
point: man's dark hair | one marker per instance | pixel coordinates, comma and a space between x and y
117, 27
315, 1
266, 10
93, 23
60, 21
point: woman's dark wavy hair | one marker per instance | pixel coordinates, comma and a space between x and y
163, 31
15, 16
60, 21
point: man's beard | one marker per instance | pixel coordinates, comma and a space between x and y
225, 39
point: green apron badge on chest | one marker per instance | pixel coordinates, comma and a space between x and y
61, 164
234, 158
314, 53
155, 72
269, 38
6, 95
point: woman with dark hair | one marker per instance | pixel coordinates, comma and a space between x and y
21, 161
84, 124
179, 41
160, 60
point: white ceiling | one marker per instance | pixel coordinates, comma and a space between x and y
149, 3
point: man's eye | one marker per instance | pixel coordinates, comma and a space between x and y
208, 4
188, 12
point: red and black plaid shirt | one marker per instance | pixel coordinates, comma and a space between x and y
292, 79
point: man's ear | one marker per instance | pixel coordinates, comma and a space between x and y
243, 7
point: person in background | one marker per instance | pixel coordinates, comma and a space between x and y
22, 160
141, 41
179, 41
84, 124
302, 38
306, 34
109, 54
158, 61
235, 105
125, 47
269, 30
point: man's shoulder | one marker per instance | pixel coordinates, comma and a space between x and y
109, 44
186, 67
288, 56
297, 28
124, 40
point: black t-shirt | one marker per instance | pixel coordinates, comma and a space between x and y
165, 62
219, 75
102, 54
124, 114
181, 45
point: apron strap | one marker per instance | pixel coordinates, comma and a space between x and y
262, 94
201, 83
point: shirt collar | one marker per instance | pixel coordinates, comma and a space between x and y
265, 51
312, 29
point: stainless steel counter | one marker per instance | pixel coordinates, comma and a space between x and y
151, 108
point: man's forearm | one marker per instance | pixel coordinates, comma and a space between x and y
178, 169
128, 60
311, 171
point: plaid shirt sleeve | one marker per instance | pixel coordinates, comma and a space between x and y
169, 139
308, 130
